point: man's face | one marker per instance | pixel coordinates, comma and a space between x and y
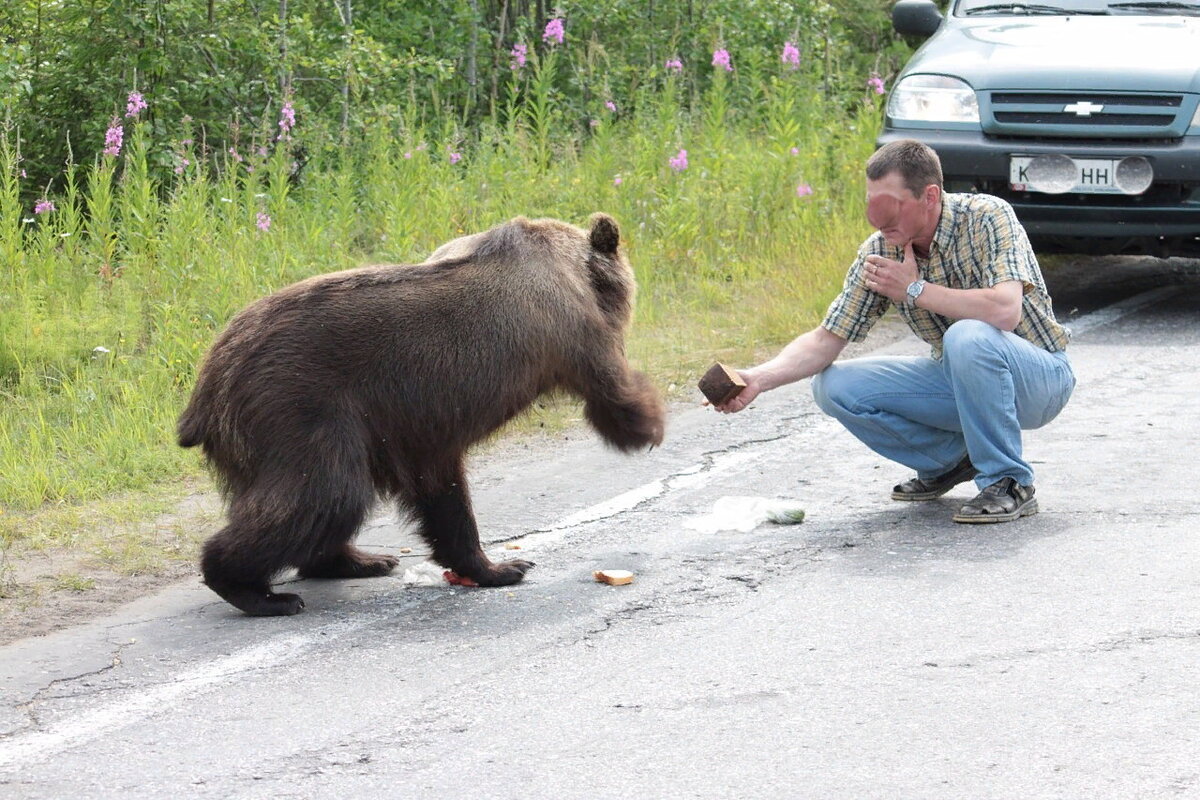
900, 216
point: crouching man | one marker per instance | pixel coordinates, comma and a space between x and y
961, 272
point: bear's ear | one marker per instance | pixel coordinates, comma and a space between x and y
604, 236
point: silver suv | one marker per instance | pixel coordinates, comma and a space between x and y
1084, 114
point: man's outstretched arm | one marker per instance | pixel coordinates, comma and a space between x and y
803, 357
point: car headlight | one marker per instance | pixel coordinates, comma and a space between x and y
933, 98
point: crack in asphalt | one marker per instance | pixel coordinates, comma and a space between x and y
27, 707
1107, 646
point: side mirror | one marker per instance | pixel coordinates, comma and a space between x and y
916, 17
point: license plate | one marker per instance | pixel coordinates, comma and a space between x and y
1057, 174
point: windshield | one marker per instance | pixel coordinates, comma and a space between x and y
992, 8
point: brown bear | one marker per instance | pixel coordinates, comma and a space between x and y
374, 382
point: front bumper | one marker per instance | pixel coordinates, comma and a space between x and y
1164, 220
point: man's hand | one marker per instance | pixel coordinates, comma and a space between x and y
891, 278
744, 397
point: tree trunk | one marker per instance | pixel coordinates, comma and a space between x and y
472, 49
348, 24
285, 74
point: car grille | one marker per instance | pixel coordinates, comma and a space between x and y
1087, 114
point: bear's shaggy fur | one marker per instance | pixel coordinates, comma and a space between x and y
375, 381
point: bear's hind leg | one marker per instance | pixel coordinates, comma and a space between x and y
448, 524
242, 576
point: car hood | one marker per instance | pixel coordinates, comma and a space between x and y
1072, 52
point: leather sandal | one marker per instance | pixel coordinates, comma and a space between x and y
1003, 501
921, 489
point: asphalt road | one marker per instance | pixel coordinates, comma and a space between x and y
875, 650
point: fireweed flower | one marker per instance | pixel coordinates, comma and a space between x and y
113, 138
791, 55
518, 53
679, 163
611, 106
135, 104
721, 59
263, 222
44, 206
287, 119
803, 190
455, 158
674, 65
554, 30
181, 166
875, 82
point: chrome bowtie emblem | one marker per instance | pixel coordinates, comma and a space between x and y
1084, 109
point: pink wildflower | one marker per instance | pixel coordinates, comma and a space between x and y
287, 119
44, 206
236, 155
611, 106
113, 138
674, 65
518, 53
875, 82
791, 55
617, 181
795, 151
408, 154
554, 30
455, 158
803, 190
181, 166
679, 163
721, 59
263, 222
135, 104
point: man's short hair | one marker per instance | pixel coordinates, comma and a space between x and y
916, 163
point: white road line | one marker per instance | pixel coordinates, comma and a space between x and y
29, 747
688, 478
1109, 314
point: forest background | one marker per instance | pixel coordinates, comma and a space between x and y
165, 162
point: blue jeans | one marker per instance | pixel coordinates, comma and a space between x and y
928, 414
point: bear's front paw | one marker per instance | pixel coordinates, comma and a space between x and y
505, 573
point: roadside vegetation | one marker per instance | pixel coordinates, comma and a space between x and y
735, 175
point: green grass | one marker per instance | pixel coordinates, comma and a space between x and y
110, 301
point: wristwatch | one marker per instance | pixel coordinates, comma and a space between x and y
914, 291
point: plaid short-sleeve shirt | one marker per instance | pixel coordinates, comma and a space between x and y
978, 244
